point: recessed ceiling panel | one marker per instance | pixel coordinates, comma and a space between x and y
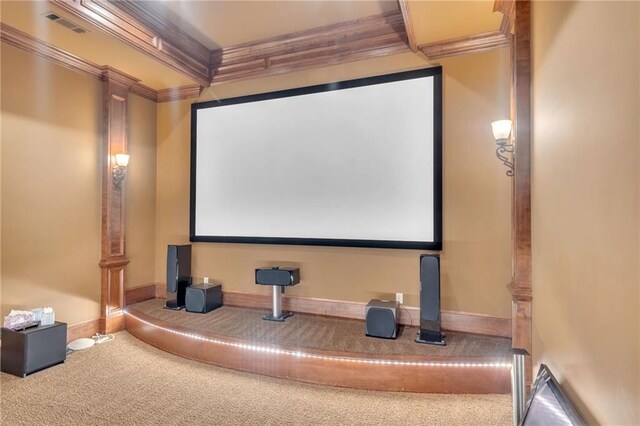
227, 23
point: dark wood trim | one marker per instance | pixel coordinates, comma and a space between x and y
520, 285
465, 45
166, 47
349, 41
83, 329
139, 294
178, 93
144, 92
114, 259
362, 371
408, 25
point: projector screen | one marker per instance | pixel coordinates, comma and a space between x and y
355, 163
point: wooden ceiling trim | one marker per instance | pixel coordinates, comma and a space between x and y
464, 45
406, 18
30, 44
179, 93
507, 8
349, 41
130, 30
144, 92
175, 40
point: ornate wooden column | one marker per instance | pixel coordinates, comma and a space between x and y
114, 258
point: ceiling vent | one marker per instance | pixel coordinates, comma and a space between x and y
65, 23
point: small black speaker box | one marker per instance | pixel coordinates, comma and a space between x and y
278, 276
203, 298
381, 319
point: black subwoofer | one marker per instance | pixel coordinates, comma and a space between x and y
381, 319
203, 298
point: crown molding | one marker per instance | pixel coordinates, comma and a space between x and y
464, 45
70, 61
408, 26
166, 44
507, 8
33, 45
179, 93
359, 39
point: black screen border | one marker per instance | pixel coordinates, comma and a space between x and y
436, 244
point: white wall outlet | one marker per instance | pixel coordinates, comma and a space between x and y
206, 280
400, 298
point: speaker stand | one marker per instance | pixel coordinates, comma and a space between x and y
431, 339
276, 302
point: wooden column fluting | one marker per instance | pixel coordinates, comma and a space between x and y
114, 259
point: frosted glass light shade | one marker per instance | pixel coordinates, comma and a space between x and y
501, 129
122, 160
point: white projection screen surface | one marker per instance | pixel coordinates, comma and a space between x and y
356, 163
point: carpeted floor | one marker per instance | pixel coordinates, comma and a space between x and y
127, 382
317, 332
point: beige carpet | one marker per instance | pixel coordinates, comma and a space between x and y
326, 333
127, 382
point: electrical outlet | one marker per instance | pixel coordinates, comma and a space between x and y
206, 280
400, 298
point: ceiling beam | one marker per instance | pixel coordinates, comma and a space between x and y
146, 32
408, 26
344, 42
464, 45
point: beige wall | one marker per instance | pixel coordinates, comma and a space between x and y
476, 255
586, 109
51, 188
141, 191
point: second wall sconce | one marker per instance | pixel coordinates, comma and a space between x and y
501, 133
119, 170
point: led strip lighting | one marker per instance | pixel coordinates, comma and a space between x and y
298, 354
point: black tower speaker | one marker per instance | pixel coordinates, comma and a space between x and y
430, 331
178, 275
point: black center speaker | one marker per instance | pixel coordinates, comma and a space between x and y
381, 319
178, 275
430, 331
278, 276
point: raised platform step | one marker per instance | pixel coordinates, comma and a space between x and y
328, 351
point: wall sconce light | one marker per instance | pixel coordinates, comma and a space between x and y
119, 170
501, 132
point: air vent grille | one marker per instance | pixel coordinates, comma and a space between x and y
65, 23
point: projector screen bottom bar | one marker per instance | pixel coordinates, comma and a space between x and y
409, 245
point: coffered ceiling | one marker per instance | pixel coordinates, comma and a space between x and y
167, 44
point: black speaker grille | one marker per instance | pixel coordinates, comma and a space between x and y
380, 322
195, 301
